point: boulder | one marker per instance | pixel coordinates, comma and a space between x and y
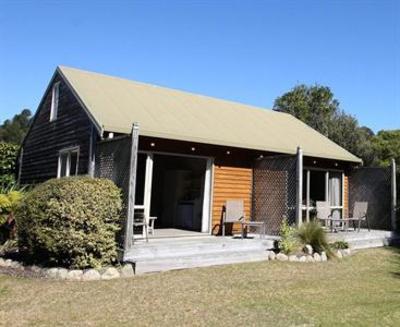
127, 271
91, 274
282, 257
110, 273
317, 257
308, 249
346, 252
52, 273
271, 255
35, 269
303, 258
323, 256
2, 262
15, 264
309, 258
62, 273
293, 258
74, 274
339, 254
7, 263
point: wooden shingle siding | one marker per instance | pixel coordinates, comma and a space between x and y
45, 139
230, 183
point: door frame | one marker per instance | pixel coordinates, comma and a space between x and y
207, 187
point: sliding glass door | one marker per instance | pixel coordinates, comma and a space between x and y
322, 185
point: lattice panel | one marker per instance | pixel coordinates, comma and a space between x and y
372, 185
274, 191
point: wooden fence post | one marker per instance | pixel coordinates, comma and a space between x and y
128, 241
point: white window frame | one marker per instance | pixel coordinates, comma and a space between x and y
68, 151
55, 94
307, 207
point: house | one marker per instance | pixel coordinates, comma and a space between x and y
194, 152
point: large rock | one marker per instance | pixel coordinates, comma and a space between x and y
52, 273
110, 273
74, 275
323, 256
346, 252
35, 269
303, 258
7, 263
127, 271
309, 258
271, 255
317, 257
62, 273
339, 254
308, 249
293, 258
282, 257
91, 274
2, 262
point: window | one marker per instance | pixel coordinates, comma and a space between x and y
322, 185
55, 92
68, 161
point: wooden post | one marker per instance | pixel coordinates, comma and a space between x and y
128, 242
299, 185
20, 158
394, 196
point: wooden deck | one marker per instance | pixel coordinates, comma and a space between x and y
161, 254
365, 239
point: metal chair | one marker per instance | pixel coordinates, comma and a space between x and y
359, 214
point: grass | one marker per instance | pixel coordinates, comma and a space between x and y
361, 290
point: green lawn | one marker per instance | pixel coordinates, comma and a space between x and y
362, 290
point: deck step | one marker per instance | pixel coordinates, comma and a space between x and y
162, 255
198, 260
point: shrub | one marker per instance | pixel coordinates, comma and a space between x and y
10, 198
312, 233
340, 245
289, 241
71, 222
8, 160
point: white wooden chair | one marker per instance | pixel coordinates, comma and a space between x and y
147, 224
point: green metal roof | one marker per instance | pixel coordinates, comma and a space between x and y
115, 103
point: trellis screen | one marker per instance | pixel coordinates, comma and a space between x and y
274, 191
112, 161
372, 185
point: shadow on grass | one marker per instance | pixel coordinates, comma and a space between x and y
395, 260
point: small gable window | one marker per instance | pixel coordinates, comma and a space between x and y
68, 161
55, 92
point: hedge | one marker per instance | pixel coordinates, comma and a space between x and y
71, 222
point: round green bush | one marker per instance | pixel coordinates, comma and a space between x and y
71, 222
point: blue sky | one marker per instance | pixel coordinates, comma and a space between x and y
247, 51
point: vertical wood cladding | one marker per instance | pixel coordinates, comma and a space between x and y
230, 183
45, 139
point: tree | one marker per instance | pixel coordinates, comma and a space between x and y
14, 130
387, 146
314, 105
317, 107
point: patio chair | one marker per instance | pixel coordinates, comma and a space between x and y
359, 214
234, 213
140, 220
324, 213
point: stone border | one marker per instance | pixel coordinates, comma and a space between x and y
127, 270
307, 257
105, 273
